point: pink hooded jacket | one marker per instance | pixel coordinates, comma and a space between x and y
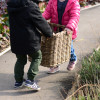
70, 17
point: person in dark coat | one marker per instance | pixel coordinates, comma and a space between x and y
26, 23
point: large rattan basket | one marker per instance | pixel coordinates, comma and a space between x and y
56, 50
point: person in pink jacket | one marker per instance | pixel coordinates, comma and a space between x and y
64, 12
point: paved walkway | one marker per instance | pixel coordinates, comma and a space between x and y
52, 85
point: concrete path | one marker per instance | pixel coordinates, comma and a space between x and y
52, 85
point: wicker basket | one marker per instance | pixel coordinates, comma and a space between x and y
56, 50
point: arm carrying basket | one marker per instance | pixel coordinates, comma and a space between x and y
56, 50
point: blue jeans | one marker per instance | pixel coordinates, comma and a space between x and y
73, 55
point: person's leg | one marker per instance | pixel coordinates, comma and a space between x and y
73, 59
73, 55
19, 69
33, 70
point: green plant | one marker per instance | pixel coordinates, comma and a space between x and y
89, 80
4, 30
81, 97
4, 25
90, 72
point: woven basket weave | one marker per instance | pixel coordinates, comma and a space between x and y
56, 50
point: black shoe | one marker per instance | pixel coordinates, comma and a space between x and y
19, 84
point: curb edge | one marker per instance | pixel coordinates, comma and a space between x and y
6, 50
90, 7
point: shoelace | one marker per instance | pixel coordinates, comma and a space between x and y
35, 85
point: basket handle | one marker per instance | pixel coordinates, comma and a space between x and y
56, 25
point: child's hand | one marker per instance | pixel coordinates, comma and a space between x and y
54, 34
69, 31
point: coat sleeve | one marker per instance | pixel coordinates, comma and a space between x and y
39, 22
74, 13
47, 12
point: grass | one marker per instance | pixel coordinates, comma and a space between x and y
90, 72
88, 85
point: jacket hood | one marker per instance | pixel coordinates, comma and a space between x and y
18, 5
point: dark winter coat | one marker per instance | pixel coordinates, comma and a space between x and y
26, 22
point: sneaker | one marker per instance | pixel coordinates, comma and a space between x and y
54, 70
19, 84
71, 65
32, 85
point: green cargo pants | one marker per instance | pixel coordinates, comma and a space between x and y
33, 69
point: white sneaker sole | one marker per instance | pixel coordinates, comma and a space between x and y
52, 72
29, 87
